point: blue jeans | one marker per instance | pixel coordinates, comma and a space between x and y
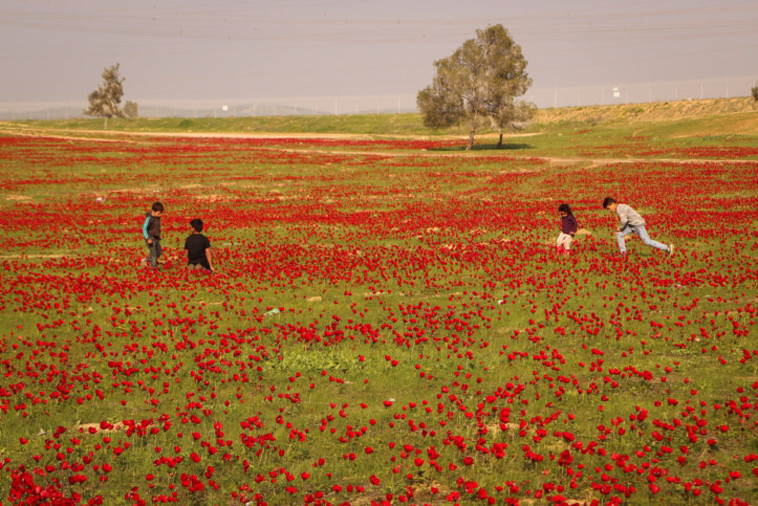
155, 252
642, 233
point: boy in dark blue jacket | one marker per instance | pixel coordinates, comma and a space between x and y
152, 232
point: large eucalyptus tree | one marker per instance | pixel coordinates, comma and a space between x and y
479, 84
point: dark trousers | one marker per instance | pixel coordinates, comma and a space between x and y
155, 252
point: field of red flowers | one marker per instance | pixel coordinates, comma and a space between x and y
388, 324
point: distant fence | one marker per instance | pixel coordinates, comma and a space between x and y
642, 92
384, 104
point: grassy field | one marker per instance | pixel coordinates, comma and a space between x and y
389, 321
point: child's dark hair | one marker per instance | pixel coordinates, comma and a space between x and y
157, 207
608, 201
197, 225
564, 208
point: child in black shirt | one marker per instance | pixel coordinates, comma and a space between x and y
198, 248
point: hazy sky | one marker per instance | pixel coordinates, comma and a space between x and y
55, 50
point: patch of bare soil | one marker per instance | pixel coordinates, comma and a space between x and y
212, 198
96, 427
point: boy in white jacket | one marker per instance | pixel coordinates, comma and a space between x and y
632, 222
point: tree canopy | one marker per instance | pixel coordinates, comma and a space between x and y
479, 84
754, 91
104, 101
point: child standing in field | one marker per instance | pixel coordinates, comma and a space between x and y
569, 226
198, 248
152, 232
632, 222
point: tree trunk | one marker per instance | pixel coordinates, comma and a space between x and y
500, 142
470, 144
105, 124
